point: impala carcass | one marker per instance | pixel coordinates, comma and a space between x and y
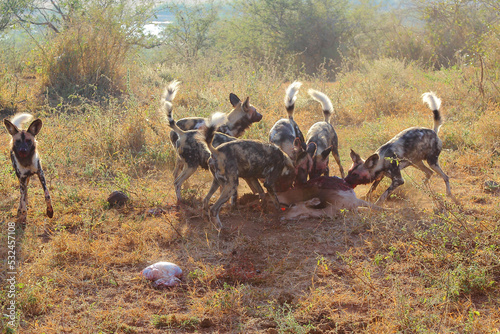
319, 197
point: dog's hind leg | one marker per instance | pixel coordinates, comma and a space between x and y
213, 188
185, 174
179, 165
228, 190
41, 177
428, 172
435, 167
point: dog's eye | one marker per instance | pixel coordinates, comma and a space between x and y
28, 141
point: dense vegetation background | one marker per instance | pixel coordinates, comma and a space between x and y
95, 75
92, 49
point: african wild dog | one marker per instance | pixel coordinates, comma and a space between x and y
286, 134
248, 159
409, 148
324, 136
238, 120
25, 160
191, 153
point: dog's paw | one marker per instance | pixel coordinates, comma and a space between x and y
21, 218
50, 212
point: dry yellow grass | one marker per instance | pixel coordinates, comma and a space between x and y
426, 266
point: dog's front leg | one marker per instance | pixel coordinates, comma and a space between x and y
41, 177
372, 188
22, 210
255, 186
335, 154
270, 189
397, 180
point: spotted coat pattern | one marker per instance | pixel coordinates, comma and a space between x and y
411, 147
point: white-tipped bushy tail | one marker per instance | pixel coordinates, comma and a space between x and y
291, 97
19, 119
171, 90
325, 101
434, 104
166, 104
217, 119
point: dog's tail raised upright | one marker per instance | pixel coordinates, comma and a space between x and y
166, 104
213, 124
325, 101
434, 104
291, 97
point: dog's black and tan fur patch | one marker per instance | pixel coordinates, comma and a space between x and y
26, 161
285, 131
248, 159
324, 136
286, 134
191, 153
409, 148
238, 121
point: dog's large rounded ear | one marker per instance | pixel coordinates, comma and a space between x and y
297, 145
35, 127
355, 157
246, 104
234, 100
372, 161
311, 149
11, 128
325, 153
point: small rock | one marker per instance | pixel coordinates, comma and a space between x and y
206, 323
491, 186
155, 212
285, 298
117, 198
268, 324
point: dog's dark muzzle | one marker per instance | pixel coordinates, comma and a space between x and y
256, 117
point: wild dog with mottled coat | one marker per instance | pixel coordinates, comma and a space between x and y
248, 159
409, 148
324, 136
191, 153
286, 134
238, 120
25, 160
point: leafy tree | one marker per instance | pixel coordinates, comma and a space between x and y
83, 45
310, 29
191, 31
454, 27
